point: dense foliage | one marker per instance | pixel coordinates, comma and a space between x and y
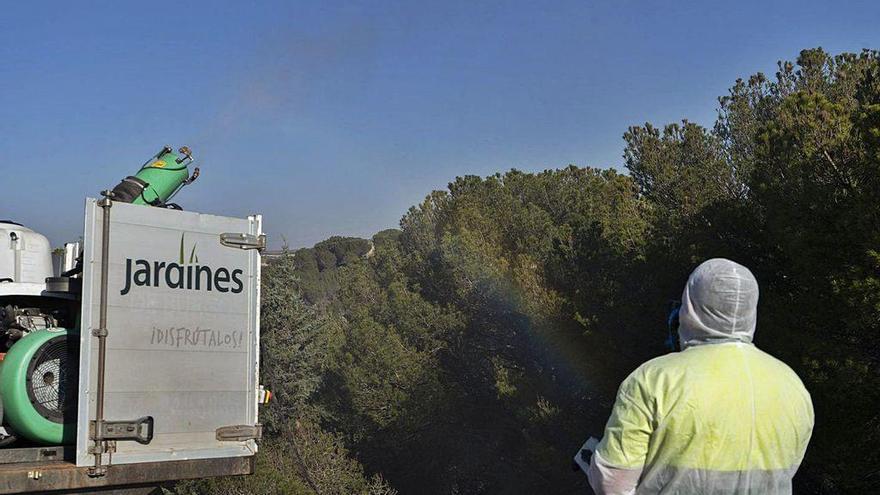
475, 348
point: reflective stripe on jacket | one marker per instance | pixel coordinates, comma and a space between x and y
714, 418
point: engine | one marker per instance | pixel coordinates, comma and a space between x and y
16, 322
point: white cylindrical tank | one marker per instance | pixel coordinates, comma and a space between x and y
25, 256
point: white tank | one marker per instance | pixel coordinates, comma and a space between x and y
25, 256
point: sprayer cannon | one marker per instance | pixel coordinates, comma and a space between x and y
158, 179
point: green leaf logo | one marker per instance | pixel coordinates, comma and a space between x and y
193, 256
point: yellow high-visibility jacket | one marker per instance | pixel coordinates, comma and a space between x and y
714, 418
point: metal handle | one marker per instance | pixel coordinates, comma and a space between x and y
139, 430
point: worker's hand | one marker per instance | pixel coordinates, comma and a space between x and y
584, 455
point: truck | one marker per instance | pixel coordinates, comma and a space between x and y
132, 359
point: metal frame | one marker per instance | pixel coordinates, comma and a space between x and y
36, 454
64, 477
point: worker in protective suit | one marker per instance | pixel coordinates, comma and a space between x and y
721, 416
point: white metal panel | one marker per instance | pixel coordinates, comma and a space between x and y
186, 355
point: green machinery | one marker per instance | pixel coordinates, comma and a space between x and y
158, 180
39, 313
38, 383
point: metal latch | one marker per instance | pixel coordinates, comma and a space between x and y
139, 430
243, 241
239, 433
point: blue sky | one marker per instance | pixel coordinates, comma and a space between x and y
332, 118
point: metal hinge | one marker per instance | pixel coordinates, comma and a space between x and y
97, 471
139, 430
243, 241
239, 433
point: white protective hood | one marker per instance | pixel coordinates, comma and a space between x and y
719, 304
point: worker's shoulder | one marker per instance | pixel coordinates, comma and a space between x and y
656, 368
772, 365
712, 355
666, 362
